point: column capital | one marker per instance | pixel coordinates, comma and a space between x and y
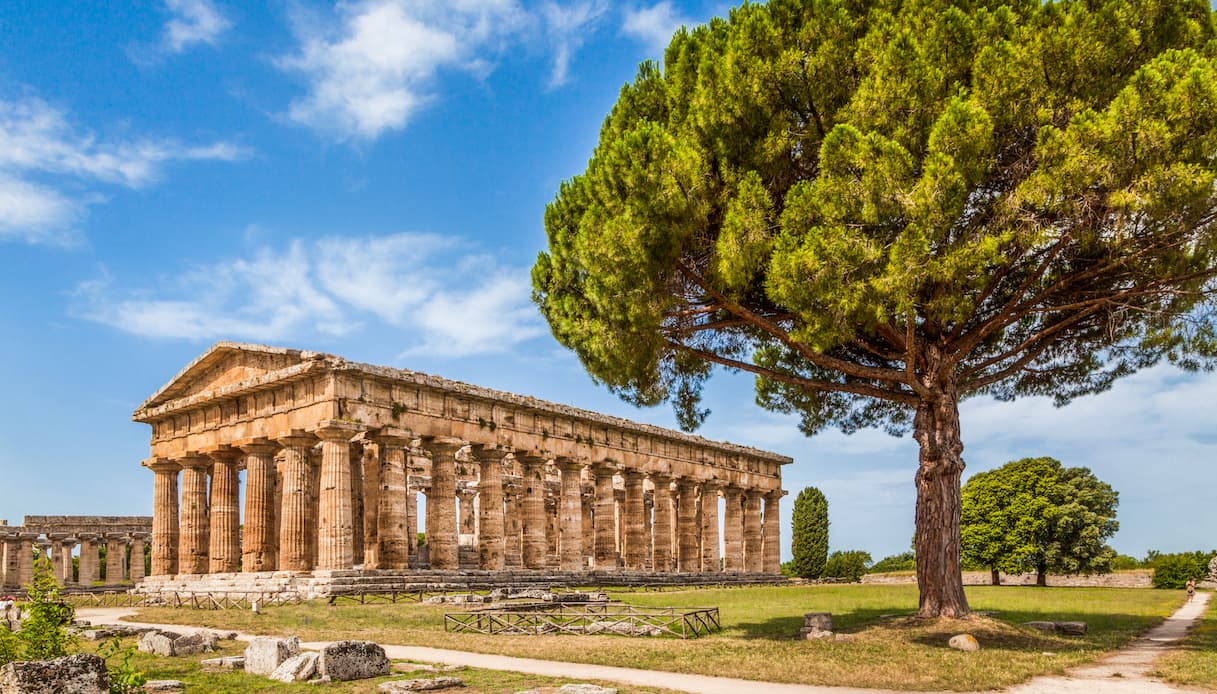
775, 494
115, 536
194, 460
732, 490
708, 486
604, 467
566, 464
532, 459
390, 436
87, 537
337, 430
631, 474
141, 536
257, 446
443, 445
158, 464
492, 452
295, 437
223, 453
660, 478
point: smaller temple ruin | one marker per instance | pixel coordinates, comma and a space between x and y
56, 537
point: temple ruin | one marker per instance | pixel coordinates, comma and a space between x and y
334, 454
55, 537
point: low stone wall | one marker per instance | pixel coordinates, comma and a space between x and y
1135, 578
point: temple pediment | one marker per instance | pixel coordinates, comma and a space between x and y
225, 364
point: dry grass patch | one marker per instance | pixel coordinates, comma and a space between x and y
759, 627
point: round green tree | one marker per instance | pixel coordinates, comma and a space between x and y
809, 533
882, 208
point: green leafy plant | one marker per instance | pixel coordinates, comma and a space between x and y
1174, 570
10, 646
124, 678
397, 410
896, 562
44, 631
850, 564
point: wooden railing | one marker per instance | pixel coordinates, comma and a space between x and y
590, 618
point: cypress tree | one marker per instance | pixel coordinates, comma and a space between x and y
809, 533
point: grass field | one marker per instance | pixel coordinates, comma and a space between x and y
758, 639
1195, 662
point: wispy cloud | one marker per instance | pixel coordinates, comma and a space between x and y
43, 156
193, 22
371, 67
443, 299
653, 26
567, 27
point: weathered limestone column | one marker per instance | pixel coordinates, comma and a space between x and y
688, 543
733, 529
753, 561
336, 518
355, 456
467, 507
65, 561
296, 499
411, 519
710, 558
533, 511
164, 516
313, 523
25, 558
259, 550
513, 551
570, 520
648, 506
225, 548
195, 525
491, 535
370, 461
661, 525
442, 540
116, 551
54, 553
553, 530
588, 499
392, 532
771, 533
635, 544
136, 565
605, 518
88, 559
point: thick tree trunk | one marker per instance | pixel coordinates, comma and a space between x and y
995, 576
936, 429
1041, 576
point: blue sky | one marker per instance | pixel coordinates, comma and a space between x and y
368, 179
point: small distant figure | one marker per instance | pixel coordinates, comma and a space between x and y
1191, 589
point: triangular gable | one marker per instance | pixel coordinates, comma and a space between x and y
224, 364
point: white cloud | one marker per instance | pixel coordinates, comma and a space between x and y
567, 27
653, 26
193, 22
370, 68
419, 284
42, 154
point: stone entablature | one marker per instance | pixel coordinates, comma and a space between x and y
335, 452
123, 536
88, 524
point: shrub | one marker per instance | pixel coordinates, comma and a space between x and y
809, 533
44, 631
1122, 562
1173, 570
124, 678
850, 564
10, 646
897, 562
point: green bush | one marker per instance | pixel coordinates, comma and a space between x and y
809, 533
124, 678
897, 562
850, 564
1173, 570
44, 631
10, 646
1122, 562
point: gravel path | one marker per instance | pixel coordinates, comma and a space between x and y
1122, 672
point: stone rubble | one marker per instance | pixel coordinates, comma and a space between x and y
73, 674
164, 686
1067, 628
816, 625
168, 643
352, 660
420, 685
224, 664
265, 653
298, 668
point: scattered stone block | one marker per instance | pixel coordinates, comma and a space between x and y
964, 642
193, 644
420, 685
298, 668
1072, 628
585, 689
816, 625
158, 643
353, 660
1046, 627
163, 686
73, 674
265, 653
224, 664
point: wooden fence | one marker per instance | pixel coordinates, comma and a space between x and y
588, 618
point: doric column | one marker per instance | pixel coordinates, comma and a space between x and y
259, 550
553, 530
88, 559
164, 516
753, 562
135, 567
313, 523
44, 552
370, 460
355, 458
116, 550
25, 560
513, 526
225, 514
587, 497
442, 540
771, 533
336, 518
648, 506
466, 506
491, 535
605, 517
297, 496
411, 518
65, 561
533, 511
570, 519
195, 525
392, 531
710, 559
661, 526
55, 554
688, 541
636, 548
733, 529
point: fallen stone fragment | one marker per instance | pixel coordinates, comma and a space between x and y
420, 685
226, 663
265, 653
353, 660
73, 674
192, 644
163, 686
1071, 628
1046, 627
964, 642
158, 643
298, 668
585, 689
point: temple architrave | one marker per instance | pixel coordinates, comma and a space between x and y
333, 454
57, 536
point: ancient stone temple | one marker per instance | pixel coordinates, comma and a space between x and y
56, 537
334, 454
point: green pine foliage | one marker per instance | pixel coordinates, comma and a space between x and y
850, 564
809, 534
